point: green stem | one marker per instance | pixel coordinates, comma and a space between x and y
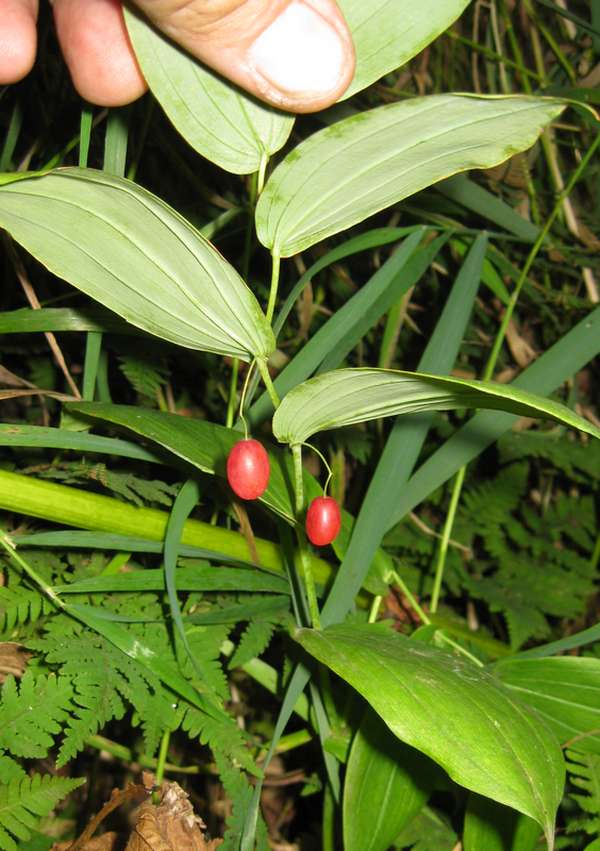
11, 548
274, 287
70, 506
126, 755
410, 597
309, 579
162, 757
232, 400
262, 171
270, 387
298, 479
328, 828
447, 532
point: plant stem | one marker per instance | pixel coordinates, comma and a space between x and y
270, 387
101, 743
162, 757
309, 579
298, 479
274, 287
69, 506
411, 598
443, 549
11, 548
232, 399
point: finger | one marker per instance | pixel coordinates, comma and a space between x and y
97, 51
18, 38
295, 54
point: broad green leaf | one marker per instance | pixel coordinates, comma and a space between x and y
455, 713
221, 122
133, 253
349, 396
363, 164
491, 827
387, 33
387, 784
565, 690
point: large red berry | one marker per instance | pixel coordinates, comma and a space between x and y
248, 469
323, 521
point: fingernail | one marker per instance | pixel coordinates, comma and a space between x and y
300, 52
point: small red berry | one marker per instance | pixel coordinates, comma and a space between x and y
248, 469
323, 521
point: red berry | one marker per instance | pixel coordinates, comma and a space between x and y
323, 521
248, 469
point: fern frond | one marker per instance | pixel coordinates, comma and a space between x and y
24, 801
584, 773
31, 715
145, 374
205, 643
103, 678
254, 641
239, 792
19, 605
97, 702
10, 769
223, 735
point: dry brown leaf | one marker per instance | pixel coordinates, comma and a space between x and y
170, 826
13, 660
520, 349
106, 842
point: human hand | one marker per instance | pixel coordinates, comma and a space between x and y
295, 54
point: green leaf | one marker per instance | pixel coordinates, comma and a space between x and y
222, 123
404, 443
194, 578
351, 322
578, 639
565, 690
491, 827
428, 832
387, 33
387, 784
201, 443
349, 396
27, 320
565, 358
363, 164
131, 252
453, 712
23, 803
18, 434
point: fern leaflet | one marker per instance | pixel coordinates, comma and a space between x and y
32, 714
584, 772
25, 800
19, 605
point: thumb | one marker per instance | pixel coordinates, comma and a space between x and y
295, 54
